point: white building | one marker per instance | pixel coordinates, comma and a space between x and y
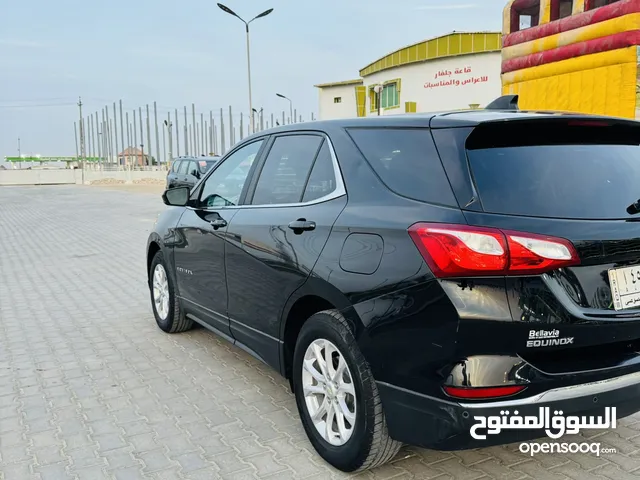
455, 71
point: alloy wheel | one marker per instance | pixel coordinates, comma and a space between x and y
329, 392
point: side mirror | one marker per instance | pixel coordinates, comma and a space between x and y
176, 197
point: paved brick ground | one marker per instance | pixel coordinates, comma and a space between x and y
91, 389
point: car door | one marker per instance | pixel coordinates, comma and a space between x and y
172, 177
276, 239
181, 174
202, 232
193, 173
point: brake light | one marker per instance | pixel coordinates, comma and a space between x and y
462, 251
482, 392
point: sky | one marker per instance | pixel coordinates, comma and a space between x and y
179, 53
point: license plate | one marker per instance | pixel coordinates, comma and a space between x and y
625, 287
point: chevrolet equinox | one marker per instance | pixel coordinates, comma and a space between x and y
408, 273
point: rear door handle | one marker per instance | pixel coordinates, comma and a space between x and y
218, 223
302, 225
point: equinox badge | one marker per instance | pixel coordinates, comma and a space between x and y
547, 338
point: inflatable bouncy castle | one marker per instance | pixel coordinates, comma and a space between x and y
573, 55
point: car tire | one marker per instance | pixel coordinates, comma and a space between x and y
366, 444
166, 307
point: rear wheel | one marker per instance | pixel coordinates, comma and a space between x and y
337, 396
166, 307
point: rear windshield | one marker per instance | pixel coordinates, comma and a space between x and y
205, 165
562, 181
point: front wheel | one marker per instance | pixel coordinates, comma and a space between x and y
337, 397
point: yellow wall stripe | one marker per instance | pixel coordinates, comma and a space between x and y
588, 32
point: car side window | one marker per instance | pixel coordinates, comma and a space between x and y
193, 168
322, 180
224, 186
286, 169
183, 167
176, 166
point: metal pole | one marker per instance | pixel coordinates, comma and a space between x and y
127, 150
242, 125
223, 147
98, 149
122, 127
186, 138
261, 120
294, 118
105, 117
201, 134
115, 131
75, 136
155, 122
149, 142
211, 144
215, 140
194, 145
191, 140
141, 134
205, 138
283, 122
272, 122
177, 135
249, 77
164, 144
82, 149
93, 137
232, 129
89, 145
170, 134
135, 138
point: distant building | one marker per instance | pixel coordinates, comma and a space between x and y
459, 70
132, 156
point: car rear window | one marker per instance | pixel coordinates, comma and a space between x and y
205, 165
406, 161
594, 176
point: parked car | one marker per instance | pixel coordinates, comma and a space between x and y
409, 273
187, 171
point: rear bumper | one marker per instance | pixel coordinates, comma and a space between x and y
429, 422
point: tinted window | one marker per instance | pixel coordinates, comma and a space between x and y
322, 180
193, 168
224, 186
406, 161
184, 165
205, 165
176, 166
286, 169
565, 181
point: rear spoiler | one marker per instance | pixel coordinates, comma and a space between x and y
505, 102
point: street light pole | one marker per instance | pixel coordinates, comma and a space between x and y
226, 9
290, 105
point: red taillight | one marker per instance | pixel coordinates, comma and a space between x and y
483, 392
462, 250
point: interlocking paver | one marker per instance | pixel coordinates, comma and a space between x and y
91, 388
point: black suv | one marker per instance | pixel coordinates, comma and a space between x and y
186, 171
409, 273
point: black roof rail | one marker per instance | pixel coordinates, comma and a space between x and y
505, 102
